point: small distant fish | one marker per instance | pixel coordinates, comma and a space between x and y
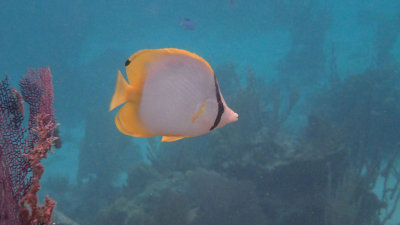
171, 93
233, 2
187, 24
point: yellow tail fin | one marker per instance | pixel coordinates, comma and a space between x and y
121, 92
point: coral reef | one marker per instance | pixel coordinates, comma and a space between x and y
197, 197
218, 197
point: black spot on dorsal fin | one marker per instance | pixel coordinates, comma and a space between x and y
127, 62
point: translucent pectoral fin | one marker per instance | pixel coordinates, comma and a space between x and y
201, 110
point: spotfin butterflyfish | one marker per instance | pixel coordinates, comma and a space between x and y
171, 93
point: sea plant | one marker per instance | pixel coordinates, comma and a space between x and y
22, 148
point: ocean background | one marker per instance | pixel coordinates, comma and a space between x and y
315, 83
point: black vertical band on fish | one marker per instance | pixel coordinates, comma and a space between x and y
220, 105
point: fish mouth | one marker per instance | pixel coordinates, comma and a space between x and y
234, 117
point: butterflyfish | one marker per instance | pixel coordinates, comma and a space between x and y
171, 93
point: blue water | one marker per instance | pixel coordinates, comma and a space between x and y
292, 45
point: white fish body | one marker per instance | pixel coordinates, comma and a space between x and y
175, 95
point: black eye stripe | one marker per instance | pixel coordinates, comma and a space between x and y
220, 105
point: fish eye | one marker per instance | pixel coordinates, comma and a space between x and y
127, 62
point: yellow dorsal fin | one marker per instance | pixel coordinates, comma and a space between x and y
137, 63
171, 138
198, 114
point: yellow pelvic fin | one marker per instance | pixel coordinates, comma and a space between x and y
198, 114
171, 138
128, 121
123, 92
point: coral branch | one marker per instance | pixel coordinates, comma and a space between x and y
38, 214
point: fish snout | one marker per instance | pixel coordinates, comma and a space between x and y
231, 116
234, 117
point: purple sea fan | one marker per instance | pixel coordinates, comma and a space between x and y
14, 168
22, 148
